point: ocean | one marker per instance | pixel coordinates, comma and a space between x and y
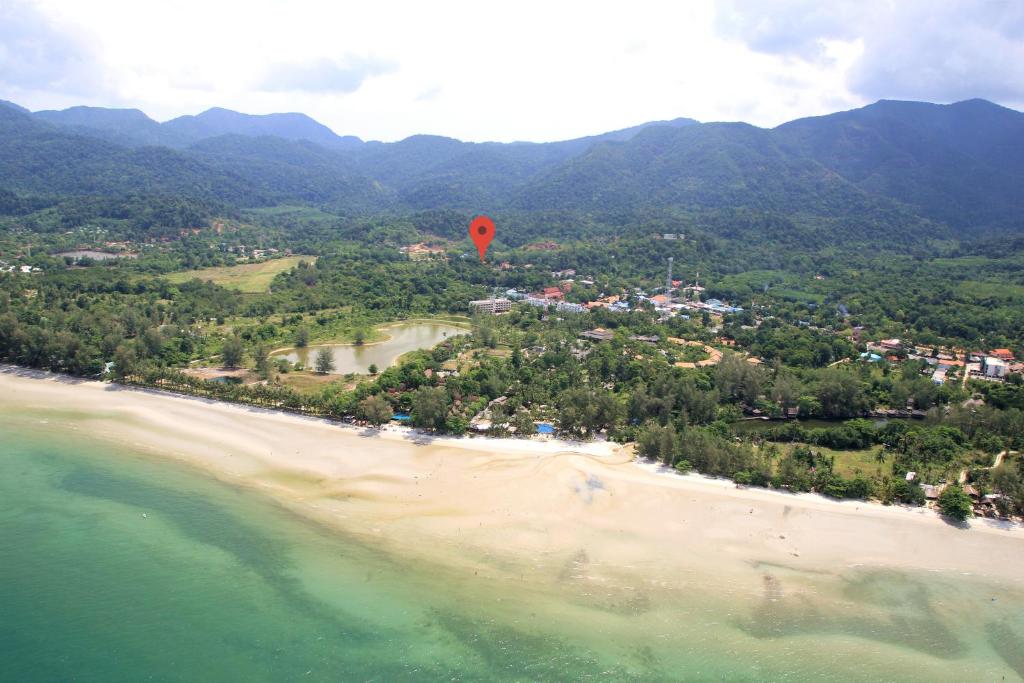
119, 566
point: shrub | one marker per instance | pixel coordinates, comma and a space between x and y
954, 503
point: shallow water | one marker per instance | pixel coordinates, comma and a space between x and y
403, 338
119, 567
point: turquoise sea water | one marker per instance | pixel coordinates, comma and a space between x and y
118, 567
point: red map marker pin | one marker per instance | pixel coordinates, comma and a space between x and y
481, 230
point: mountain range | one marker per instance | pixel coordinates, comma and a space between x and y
958, 167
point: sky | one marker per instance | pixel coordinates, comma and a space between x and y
520, 70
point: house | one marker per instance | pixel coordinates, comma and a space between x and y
418, 252
562, 274
566, 307
972, 492
598, 334
931, 492
717, 306
995, 367
1002, 354
647, 339
537, 301
552, 293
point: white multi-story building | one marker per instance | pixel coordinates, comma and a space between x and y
566, 307
995, 367
492, 306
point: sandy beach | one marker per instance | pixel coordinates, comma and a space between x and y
511, 508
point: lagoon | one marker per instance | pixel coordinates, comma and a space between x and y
402, 338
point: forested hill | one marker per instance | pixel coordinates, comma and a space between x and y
910, 169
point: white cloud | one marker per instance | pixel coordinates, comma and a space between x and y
37, 54
525, 71
324, 75
938, 50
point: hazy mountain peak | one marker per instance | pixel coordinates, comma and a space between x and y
16, 107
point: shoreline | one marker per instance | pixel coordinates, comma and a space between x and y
512, 507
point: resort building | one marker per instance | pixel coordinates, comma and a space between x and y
566, 307
492, 306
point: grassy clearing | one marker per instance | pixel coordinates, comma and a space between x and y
852, 463
308, 382
251, 278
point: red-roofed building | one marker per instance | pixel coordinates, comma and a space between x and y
1002, 354
553, 293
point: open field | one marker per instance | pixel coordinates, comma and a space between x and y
851, 463
309, 382
248, 277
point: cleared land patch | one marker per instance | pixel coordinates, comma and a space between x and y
246, 277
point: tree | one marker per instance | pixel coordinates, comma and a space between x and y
429, 407
786, 389
125, 361
524, 423
954, 503
372, 369
840, 394
375, 409
360, 336
583, 409
232, 352
302, 337
324, 360
152, 342
456, 424
658, 443
261, 360
1009, 482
